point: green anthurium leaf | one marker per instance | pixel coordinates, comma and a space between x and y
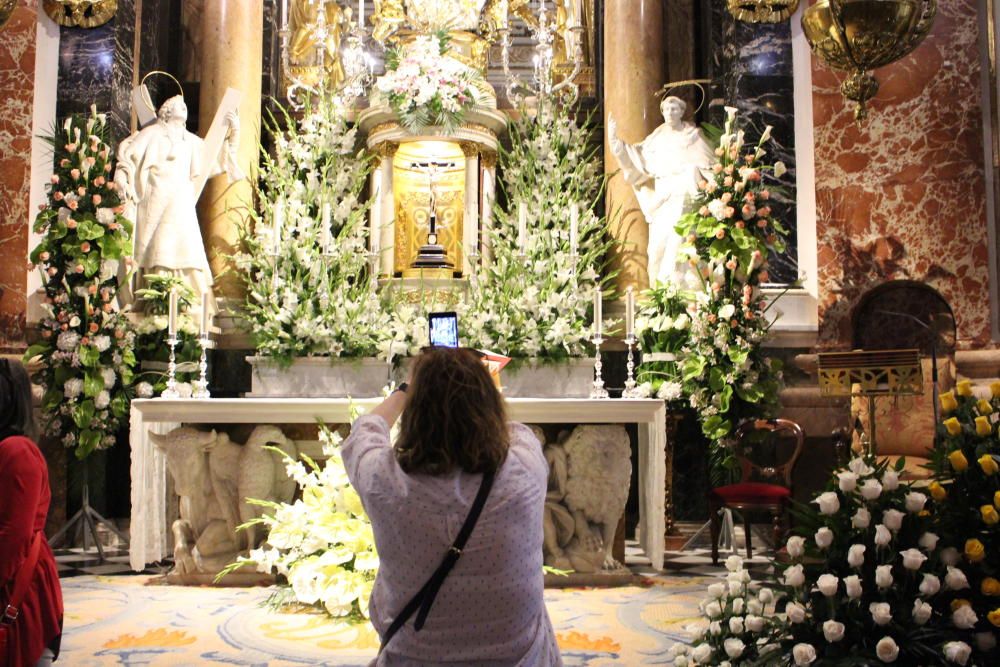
83, 413
93, 383
89, 356
88, 230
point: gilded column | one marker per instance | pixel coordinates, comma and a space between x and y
387, 204
232, 57
634, 69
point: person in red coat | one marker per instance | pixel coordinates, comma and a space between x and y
33, 637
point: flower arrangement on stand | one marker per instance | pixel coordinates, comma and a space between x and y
86, 352
725, 374
533, 297
151, 349
322, 544
663, 326
425, 87
966, 503
305, 263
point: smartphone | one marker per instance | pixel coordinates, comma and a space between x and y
443, 329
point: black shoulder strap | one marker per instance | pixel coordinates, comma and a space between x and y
425, 596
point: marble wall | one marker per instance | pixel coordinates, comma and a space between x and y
903, 196
17, 73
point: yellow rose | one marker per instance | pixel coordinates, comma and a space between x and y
984, 406
953, 425
989, 514
983, 426
937, 491
995, 389
964, 388
996, 500
958, 461
924, 513
948, 402
990, 586
994, 617
988, 464
958, 604
974, 551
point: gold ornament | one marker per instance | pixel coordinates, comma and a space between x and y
80, 13
860, 35
7, 8
762, 11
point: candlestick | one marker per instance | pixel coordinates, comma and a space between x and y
630, 311
171, 390
598, 308
201, 384
204, 314
361, 13
574, 228
631, 390
522, 227
172, 314
598, 389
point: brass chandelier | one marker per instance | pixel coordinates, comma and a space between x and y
856, 36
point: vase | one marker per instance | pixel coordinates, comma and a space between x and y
541, 378
318, 377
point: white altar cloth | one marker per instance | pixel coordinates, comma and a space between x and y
149, 532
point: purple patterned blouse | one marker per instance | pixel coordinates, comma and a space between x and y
490, 609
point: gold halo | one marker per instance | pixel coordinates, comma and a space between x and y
145, 93
667, 87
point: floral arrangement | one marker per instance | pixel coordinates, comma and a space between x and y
725, 375
534, 297
741, 623
425, 87
966, 502
86, 348
151, 335
322, 544
310, 289
663, 326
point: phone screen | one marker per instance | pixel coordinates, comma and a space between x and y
443, 329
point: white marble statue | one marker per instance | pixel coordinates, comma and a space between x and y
664, 170
158, 168
589, 477
214, 476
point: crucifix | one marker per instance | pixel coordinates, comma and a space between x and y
432, 254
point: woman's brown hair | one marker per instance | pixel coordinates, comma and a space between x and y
454, 416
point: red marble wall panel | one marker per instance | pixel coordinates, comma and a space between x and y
904, 195
17, 75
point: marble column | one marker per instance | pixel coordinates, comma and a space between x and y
634, 70
232, 56
470, 214
489, 196
387, 206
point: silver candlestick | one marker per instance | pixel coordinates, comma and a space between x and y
631, 390
201, 384
171, 390
598, 390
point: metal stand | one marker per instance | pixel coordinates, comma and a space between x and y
598, 390
201, 384
84, 523
171, 390
631, 390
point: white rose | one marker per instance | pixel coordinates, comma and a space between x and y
755, 607
829, 502
957, 652
859, 467
678, 649
883, 576
847, 481
986, 641
795, 546
928, 541
794, 576
755, 623
871, 489
862, 518
734, 647
882, 535
915, 501
713, 610
702, 653
955, 579
853, 586
736, 627
913, 559
964, 618
717, 590
856, 555
715, 628
804, 654
881, 612
144, 390
949, 556
766, 595
930, 585
893, 519
890, 480
738, 606
796, 613
921, 611
824, 537
886, 649
827, 584
735, 588
833, 631
681, 661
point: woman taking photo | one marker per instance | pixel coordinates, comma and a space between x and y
31, 607
456, 507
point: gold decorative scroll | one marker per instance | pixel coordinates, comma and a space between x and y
870, 373
762, 11
80, 13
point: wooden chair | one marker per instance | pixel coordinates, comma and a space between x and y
761, 487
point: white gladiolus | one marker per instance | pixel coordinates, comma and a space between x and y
847, 481
913, 559
921, 612
853, 586
881, 612
957, 652
804, 654
861, 519
795, 576
796, 613
824, 537
856, 555
795, 546
930, 585
887, 650
871, 489
883, 576
829, 503
893, 519
955, 579
915, 501
833, 631
882, 535
964, 618
827, 584
928, 541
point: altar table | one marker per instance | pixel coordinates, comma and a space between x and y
149, 532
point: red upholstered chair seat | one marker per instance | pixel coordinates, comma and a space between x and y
752, 492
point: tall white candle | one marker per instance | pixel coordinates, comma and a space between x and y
361, 13
324, 227
522, 227
284, 13
574, 228
205, 296
630, 311
598, 315
172, 314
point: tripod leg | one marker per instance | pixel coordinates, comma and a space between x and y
107, 523
97, 539
72, 523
